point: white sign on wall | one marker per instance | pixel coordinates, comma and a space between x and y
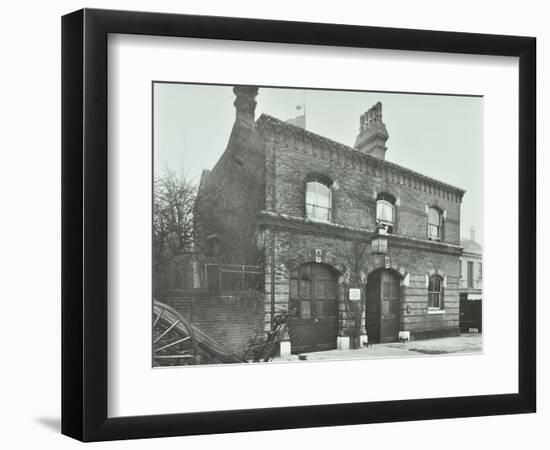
355, 294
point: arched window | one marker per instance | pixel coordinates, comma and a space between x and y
319, 199
434, 224
435, 292
385, 211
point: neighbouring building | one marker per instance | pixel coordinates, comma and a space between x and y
471, 284
358, 248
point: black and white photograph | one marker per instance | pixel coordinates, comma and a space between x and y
275, 225
299, 225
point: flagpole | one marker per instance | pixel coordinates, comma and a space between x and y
305, 118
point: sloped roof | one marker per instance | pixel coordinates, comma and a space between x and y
471, 246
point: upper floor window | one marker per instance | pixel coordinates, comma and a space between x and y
385, 211
434, 224
470, 274
319, 199
435, 292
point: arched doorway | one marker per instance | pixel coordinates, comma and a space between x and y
314, 298
383, 305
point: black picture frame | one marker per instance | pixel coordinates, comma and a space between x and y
84, 224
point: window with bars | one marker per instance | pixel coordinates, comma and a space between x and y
435, 293
319, 199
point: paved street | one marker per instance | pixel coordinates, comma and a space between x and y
465, 343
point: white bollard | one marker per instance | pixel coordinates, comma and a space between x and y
405, 336
284, 348
342, 342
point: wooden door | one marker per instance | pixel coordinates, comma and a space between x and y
383, 304
373, 307
389, 307
314, 298
470, 314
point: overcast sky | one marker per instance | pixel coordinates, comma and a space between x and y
436, 135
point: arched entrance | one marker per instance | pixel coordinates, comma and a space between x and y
314, 297
383, 305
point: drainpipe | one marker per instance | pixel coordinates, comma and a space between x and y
272, 279
273, 207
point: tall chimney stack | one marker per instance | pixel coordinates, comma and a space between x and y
245, 104
372, 135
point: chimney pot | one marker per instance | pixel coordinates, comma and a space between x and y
245, 104
472, 233
372, 135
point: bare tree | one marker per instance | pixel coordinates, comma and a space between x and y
173, 204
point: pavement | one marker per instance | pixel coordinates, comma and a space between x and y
465, 343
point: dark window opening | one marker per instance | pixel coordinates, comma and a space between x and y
470, 275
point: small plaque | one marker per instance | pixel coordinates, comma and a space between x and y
318, 255
355, 294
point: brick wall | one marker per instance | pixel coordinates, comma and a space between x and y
291, 249
229, 198
357, 180
232, 319
353, 257
415, 316
265, 168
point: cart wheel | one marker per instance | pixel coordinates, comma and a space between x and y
174, 343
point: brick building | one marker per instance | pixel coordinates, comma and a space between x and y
358, 247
